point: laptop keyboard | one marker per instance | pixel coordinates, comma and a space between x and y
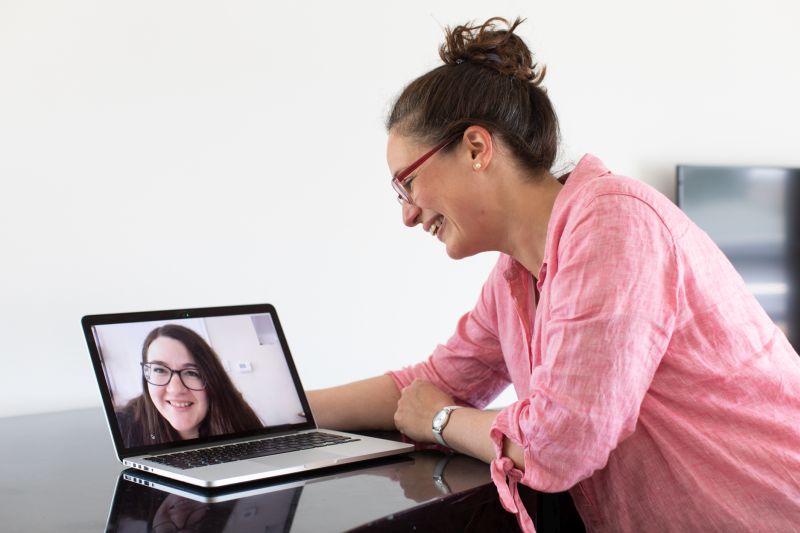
248, 450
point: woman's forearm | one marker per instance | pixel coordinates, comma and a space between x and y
361, 405
468, 432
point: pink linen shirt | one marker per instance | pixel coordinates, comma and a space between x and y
651, 383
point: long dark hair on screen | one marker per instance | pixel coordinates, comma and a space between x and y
228, 412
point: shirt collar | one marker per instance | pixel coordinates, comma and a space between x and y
589, 167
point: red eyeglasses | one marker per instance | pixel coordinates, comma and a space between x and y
399, 179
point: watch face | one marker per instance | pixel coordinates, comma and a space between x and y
439, 419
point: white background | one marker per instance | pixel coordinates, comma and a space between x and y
170, 154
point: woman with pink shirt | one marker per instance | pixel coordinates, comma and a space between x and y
650, 382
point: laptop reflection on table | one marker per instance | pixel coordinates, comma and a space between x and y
341, 499
148, 502
143, 502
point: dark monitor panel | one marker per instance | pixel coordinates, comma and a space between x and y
748, 212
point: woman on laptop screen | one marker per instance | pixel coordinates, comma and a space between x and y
186, 392
650, 382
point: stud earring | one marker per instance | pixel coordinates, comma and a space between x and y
476, 166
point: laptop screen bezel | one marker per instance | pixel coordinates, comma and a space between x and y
88, 322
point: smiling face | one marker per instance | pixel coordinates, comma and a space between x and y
183, 408
450, 201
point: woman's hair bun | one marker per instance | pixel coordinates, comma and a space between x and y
499, 49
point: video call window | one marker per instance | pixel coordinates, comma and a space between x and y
196, 377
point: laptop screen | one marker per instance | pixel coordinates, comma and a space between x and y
200, 376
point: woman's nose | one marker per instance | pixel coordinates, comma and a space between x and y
411, 214
175, 384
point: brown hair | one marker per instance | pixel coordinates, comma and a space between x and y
488, 79
228, 412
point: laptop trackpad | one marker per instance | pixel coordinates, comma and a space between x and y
305, 457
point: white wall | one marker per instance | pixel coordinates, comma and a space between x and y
186, 153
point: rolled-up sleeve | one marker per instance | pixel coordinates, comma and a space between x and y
604, 328
470, 366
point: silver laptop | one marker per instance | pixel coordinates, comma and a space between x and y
211, 397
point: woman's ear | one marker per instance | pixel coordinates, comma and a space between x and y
480, 147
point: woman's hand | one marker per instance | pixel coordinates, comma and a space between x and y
418, 404
467, 431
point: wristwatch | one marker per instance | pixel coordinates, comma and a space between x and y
440, 421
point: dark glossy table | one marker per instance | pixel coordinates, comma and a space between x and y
59, 473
